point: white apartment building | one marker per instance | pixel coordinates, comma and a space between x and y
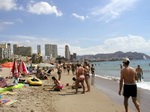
51, 50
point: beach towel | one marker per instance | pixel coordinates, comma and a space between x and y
9, 93
7, 102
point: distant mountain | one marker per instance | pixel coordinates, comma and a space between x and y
115, 56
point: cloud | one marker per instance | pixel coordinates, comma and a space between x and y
7, 23
125, 44
3, 24
128, 43
43, 8
82, 18
113, 9
8, 5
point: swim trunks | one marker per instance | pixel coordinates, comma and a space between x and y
130, 90
139, 75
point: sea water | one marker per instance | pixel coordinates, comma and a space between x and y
111, 70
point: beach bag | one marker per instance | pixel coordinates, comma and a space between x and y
2, 82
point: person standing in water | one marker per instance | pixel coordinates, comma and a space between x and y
139, 72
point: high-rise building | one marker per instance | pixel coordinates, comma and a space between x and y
51, 50
67, 52
21, 50
1, 53
75, 56
15, 46
54, 51
5, 51
38, 49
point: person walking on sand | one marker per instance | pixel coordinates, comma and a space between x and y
128, 77
93, 74
87, 75
139, 72
59, 70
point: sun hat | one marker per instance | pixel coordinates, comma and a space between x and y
125, 60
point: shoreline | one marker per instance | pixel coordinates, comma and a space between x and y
112, 92
37, 99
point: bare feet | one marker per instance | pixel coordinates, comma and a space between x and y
88, 91
75, 92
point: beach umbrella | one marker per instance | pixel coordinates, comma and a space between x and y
45, 65
7, 65
15, 69
23, 68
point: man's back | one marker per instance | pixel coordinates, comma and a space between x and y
129, 75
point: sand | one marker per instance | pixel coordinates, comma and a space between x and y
41, 99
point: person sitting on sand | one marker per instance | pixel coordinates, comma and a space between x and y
58, 86
80, 78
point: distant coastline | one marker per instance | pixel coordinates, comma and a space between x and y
114, 56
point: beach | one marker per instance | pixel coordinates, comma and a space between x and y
41, 99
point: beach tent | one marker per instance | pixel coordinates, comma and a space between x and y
7, 65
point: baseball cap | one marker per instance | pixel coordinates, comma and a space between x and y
125, 60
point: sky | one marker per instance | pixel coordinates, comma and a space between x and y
86, 26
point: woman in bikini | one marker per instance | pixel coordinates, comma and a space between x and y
80, 78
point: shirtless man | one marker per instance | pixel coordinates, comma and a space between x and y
87, 75
80, 78
59, 70
128, 77
93, 74
139, 72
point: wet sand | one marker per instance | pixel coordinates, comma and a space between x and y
110, 87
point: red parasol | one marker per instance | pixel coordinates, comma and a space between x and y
7, 65
15, 69
23, 68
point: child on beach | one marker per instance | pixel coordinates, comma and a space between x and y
57, 84
74, 84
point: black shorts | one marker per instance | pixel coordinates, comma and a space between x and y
130, 90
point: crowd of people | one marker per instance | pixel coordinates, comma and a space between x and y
83, 72
80, 72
